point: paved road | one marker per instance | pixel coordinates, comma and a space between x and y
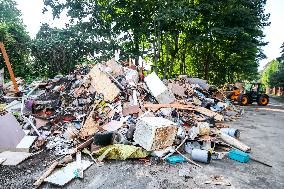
263, 129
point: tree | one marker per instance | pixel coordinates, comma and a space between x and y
277, 77
56, 51
15, 38
273, 73
216, 40
269, 69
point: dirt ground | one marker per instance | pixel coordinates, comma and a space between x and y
262, 128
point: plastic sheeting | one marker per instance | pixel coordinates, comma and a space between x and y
120, 152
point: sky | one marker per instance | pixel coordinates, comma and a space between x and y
33, 17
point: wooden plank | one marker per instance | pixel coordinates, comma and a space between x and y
8, 64
49, 170
201, 110
102, 83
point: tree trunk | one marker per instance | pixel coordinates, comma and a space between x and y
206, 69
174, 52
167, 58
136, 47
136, 41
154, 68
161, 56
159, 46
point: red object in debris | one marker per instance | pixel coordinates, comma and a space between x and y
62, 88
185, 124
68, 119
48, 113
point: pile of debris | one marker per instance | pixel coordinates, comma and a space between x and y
113, 111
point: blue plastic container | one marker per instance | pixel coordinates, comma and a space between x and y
238, 156
175, 159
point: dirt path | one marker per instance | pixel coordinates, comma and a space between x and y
262, 128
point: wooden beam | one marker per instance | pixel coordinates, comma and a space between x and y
8, 64
201, 110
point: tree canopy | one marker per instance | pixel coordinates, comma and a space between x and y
273, 73
212, 39
15, 38
217, 40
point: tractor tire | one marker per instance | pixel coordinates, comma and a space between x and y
243, 100
263, 100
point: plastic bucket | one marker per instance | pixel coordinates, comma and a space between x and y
203, 156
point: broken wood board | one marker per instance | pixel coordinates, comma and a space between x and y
116, 69
14, 158
64, 175
50, 169
26, 143
10, 133
201, 110
130, 109
90, 126
102, 83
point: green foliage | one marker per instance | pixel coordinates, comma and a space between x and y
55, 51
270, 68
273, 74
15, 38
211, 39
277, 78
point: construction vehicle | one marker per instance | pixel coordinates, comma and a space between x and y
253, 92
8, 64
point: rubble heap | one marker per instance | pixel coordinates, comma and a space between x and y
118, 112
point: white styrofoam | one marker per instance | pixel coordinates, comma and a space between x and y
64, 175
26, 142
14, 158
155, 85
158, 89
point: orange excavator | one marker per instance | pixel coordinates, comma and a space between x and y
8, 64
